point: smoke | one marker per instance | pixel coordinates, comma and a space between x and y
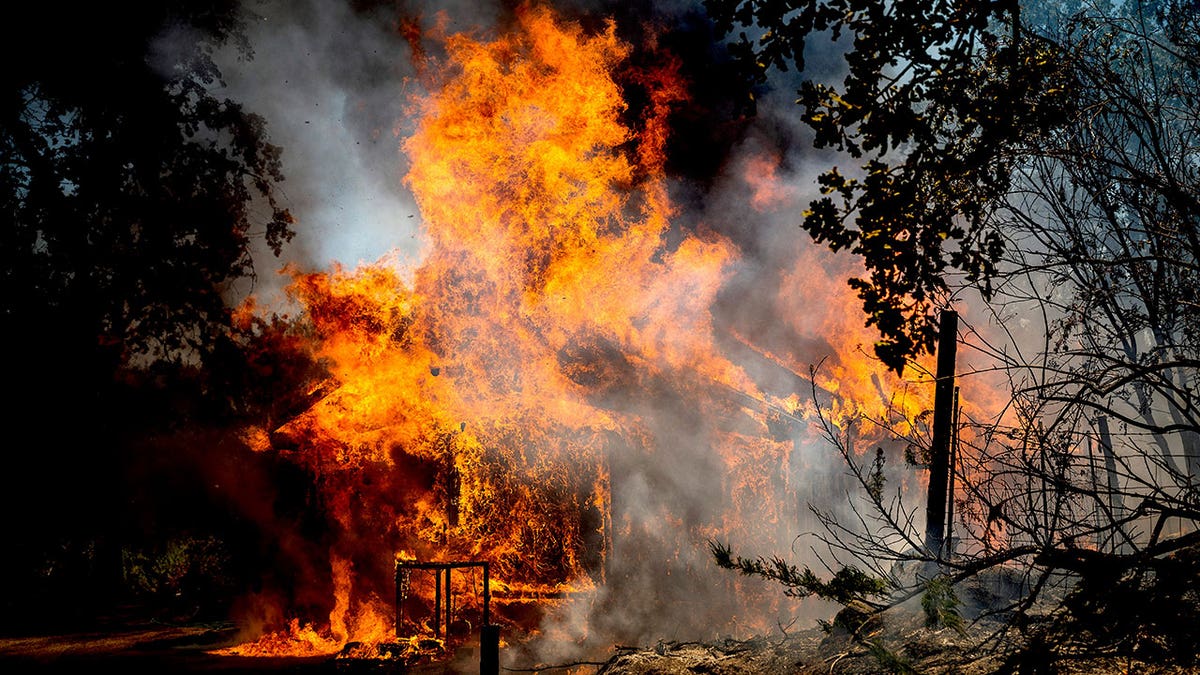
332, 85
334, 82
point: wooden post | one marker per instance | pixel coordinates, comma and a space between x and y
437, 601
489, 635
950, 484
402, 581
1116, 505
487, 596
489, 650
943, 417
449, 601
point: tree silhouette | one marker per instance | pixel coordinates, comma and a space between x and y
132, 194
1077, 498
932, 97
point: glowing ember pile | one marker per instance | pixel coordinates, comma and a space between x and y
543, 390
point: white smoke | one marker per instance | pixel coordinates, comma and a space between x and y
332, 86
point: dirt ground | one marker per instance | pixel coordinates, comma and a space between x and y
900, 644
188, 649
141, 648
812, 651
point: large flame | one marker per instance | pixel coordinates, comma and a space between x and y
534, 392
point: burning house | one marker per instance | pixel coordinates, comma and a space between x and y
546, 391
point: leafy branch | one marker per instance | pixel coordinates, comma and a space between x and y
849, 584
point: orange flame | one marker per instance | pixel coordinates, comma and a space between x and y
478, 396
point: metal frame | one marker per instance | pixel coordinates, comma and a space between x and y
404, 569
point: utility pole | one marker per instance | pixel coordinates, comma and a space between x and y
955, 425
1116, 504
943, 418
